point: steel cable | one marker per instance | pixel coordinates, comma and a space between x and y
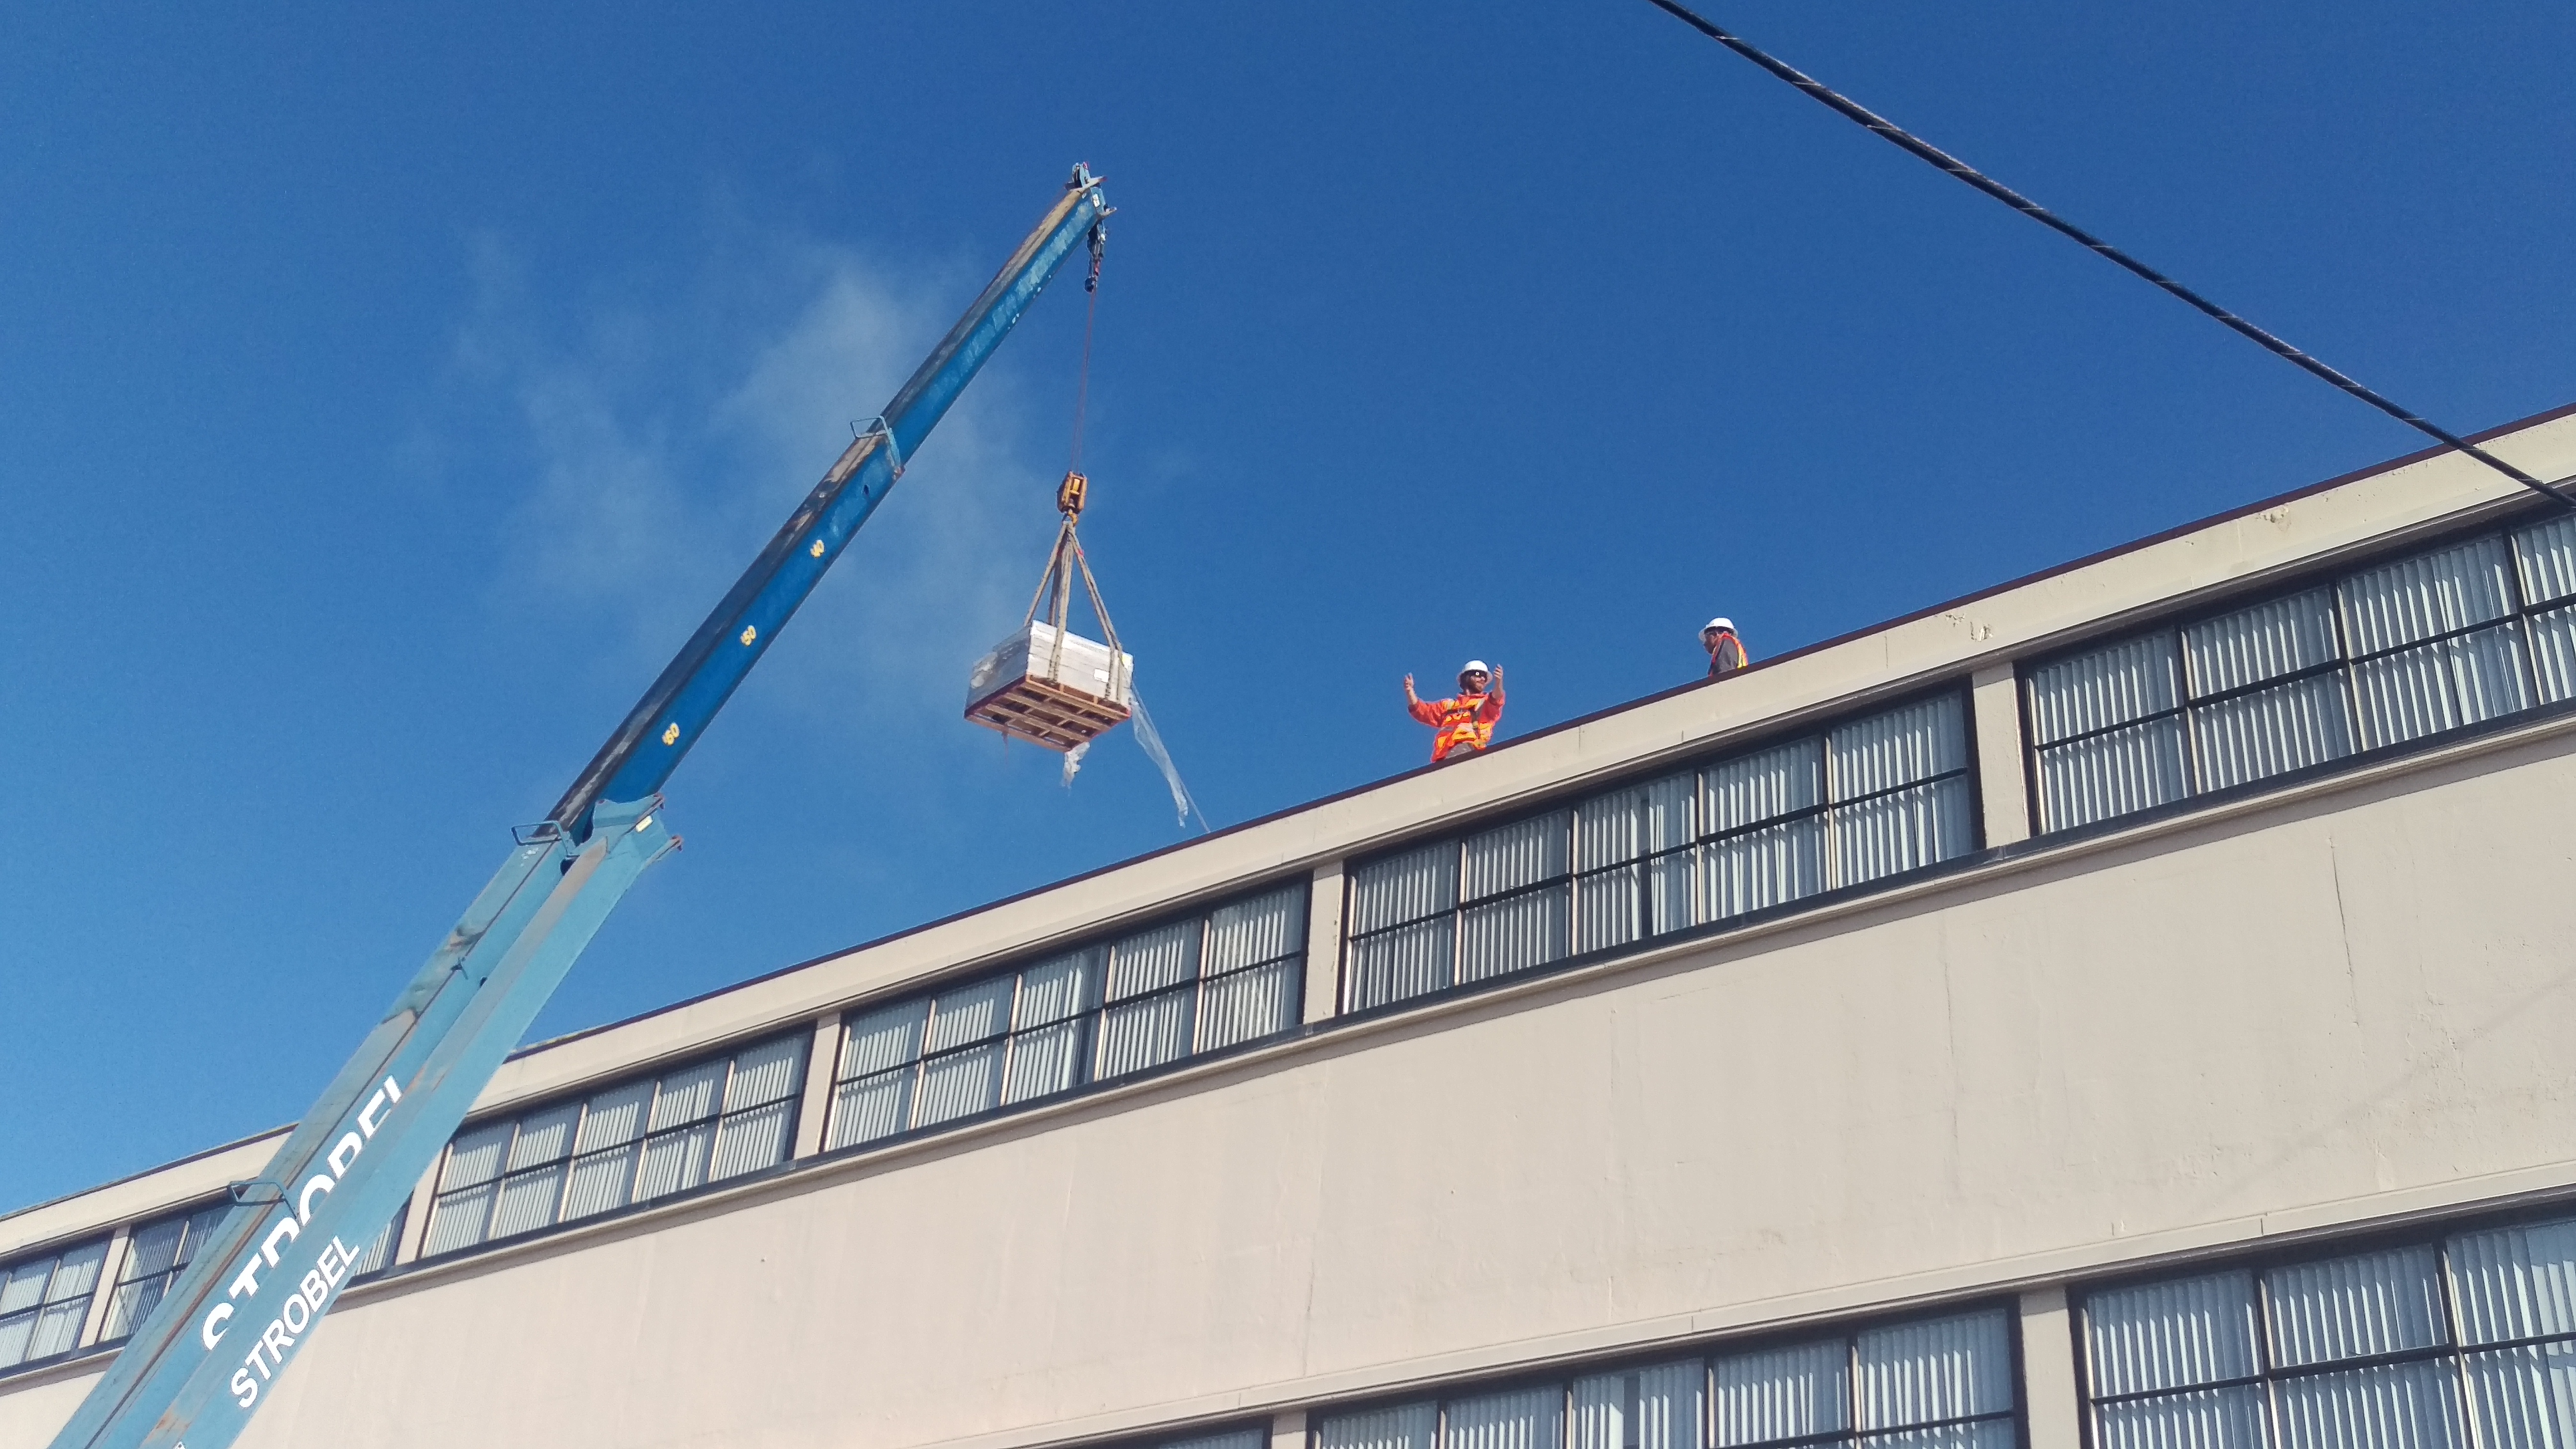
1924, 150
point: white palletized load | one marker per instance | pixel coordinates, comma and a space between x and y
1051, 687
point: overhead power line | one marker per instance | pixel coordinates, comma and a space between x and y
1916, 146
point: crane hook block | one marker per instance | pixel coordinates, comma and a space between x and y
1069, 494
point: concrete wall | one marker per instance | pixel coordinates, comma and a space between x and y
2347, 1006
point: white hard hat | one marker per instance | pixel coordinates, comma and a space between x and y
1474, 666
1718, 623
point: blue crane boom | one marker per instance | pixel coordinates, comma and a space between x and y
208, 1357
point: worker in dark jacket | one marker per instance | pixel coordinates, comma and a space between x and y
1725, 652
1464, 725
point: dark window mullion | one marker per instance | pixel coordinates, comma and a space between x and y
2520, 606
2446, 1292
2267, 684
2133, 1396
2043, 747
2460, 631
1199, 979
2351, 691
1090, 1017
1565, 942
1769, 822
1829, 861
2194, 779
1457, 922
1851, 1386
2265, 1361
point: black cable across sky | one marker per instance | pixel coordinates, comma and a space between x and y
1916, 146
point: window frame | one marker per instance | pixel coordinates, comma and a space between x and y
2311, 576
108, 1332
1706, 1352
2434, 1234
566, 1163
54, 1253
1090, 1018
1568, 800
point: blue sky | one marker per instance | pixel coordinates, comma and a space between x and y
383, 398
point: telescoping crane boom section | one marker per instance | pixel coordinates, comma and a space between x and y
209, 1356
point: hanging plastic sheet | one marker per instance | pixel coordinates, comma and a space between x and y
1152, 740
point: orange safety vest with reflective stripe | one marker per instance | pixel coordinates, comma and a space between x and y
1464, 722
1728, 656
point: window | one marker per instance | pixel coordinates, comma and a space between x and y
43, 1302
1103, 1011
1946, 1383
1867, 800
2399, 652
629, 1144
378, 1254
155, 1254
2468, 1339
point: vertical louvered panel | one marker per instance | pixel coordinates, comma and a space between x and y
1659, 1407
760, 1108
1748, 869
2546, 554
1405, 1426
1243, 1006
2271, 731
2170, 1335
533, 1185
466, 1187
1900, 747
2553, 653
1146, 1022
2524, 1398
1797, 1392
1240, 1000
605, 1152
1264, 928
2109, 686
2517, 1282
962, 1052
2441, 685
1921, 1373
1407, 961
2121, 770
2370, 1303
2106, 776
1912, 827
1407, 887
1045, 1053
1509, 857
1515, 1419
680, 1135
1514, 933
2266, 641
2399, 1406
872, 1096
1418, 886
2192, 1419
2267, 731
1632, 847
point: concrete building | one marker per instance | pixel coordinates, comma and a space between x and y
2127, 1008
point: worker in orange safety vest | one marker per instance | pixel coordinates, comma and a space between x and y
1464, 725
1725, 652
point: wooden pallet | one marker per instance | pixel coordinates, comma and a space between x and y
1046, 713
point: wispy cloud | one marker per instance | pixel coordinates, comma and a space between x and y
665, 437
